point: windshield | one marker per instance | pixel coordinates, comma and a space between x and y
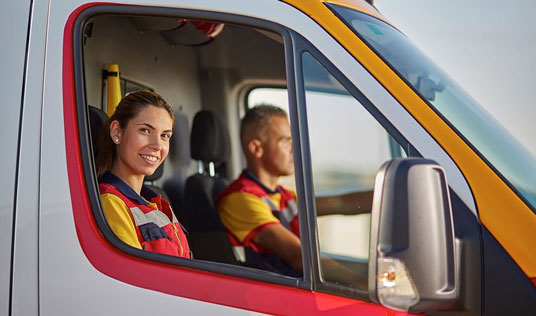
492, 141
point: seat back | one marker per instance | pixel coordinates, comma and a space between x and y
210, 147
97, 118
179, 158
149, 181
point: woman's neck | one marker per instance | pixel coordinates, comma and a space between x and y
134, 181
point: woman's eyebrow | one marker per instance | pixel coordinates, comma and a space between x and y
152, 127
146, 124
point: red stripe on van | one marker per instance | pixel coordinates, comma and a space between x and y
194, 284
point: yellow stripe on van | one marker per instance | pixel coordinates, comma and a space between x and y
501, 211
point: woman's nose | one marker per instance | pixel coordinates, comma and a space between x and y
156, 143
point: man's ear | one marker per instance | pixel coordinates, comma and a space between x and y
255, 148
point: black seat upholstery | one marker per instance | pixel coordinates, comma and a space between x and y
180, 160
210, 147
149, 181
97, 118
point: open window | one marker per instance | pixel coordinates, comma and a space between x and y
344, 139
200, 63
340, 137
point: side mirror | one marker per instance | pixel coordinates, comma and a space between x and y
413, 259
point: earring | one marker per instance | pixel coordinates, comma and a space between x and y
117, 140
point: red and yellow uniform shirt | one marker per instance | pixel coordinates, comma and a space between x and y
145, 222
246, 207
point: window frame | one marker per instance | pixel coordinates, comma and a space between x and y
81, 185
101, 227
305, 188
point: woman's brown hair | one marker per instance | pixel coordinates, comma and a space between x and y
126, 110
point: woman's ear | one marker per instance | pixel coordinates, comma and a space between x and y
115, 131
255, 148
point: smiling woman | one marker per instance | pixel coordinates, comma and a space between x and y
133, 143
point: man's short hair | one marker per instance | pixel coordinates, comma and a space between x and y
258, 117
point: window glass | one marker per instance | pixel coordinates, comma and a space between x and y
491, 139
274, 96
277, 97
348, 146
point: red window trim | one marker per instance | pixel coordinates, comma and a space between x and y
194, 284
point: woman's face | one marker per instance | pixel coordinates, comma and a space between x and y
144, 143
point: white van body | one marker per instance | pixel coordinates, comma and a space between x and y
52, 267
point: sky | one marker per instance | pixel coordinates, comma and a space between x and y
488, 47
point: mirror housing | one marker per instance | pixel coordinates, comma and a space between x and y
413, 262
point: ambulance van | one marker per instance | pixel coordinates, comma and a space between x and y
452, 230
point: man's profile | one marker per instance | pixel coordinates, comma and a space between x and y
259, 213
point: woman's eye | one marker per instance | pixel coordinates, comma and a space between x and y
166, 136
144, 130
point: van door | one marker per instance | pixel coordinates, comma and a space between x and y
13, 32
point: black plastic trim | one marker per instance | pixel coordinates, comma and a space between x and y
87, 160
301, 163
507, 289
443, 118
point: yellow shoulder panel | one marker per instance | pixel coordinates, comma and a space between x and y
118, 217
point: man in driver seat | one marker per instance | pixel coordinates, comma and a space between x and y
259, 214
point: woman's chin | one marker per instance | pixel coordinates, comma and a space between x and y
148, 171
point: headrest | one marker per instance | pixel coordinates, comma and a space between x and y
209, 140
97, 118
157, 173
179, 146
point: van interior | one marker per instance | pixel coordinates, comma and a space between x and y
211, 73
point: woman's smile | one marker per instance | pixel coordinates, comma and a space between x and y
149, 158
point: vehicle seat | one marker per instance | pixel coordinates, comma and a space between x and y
180, 160
97, 118
149, 181
209, 144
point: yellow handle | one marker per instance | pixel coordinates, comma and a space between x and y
113, 92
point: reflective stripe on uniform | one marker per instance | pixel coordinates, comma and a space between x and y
156, 216
290, 211
239, 253
273, 207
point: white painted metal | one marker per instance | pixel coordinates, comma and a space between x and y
13, 34
25, 263
68, 284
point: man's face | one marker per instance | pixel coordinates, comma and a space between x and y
277, 147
